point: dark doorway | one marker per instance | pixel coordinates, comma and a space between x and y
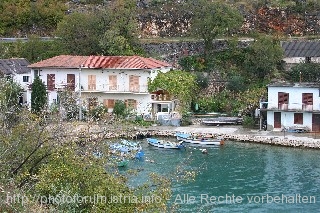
277, 120
316, 122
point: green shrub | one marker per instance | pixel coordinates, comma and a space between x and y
120, 109
248, 121
98, 112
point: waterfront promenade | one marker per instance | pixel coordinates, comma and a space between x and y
238, 133
230, 133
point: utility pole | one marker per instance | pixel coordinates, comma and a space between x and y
80, 103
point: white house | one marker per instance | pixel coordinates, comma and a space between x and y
293, 104
105, 79
17, 69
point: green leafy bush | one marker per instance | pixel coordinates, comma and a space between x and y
248, 121
98, 112
120, 109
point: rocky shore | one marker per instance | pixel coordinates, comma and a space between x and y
263, 137
229, 133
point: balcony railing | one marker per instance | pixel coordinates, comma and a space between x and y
293, 107
283, 106
307, 107
161, 97
120, 88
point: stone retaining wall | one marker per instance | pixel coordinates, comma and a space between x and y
302, 142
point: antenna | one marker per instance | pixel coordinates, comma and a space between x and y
300, 77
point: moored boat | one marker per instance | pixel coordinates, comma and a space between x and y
201, 140
164, 144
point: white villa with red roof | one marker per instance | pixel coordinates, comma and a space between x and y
104, 79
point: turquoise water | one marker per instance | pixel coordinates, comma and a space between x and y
239, 177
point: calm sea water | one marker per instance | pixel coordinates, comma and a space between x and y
239, 177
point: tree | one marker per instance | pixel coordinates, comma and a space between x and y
121, 36
180, 84
80, 33
119, 108
38, 95
25, 17
212, 19
306, 72
236, 83
261, 58
36, 50
10, 92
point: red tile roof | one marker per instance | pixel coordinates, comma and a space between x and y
124, 62
61, 61
98, 62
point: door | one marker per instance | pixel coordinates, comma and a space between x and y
316, 122
277, 119
50, 81
71, 82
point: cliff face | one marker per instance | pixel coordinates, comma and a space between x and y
173, 23
169, 19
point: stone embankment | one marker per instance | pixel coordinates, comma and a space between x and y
228, 133
304, 142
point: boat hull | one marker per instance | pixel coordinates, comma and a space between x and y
200, 141
162, 144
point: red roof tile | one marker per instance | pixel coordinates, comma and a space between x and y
61, 61
98, 62
124, 62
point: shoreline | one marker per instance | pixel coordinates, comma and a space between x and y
239, 134
231, 133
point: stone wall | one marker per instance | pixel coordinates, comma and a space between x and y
173, 51
172, 22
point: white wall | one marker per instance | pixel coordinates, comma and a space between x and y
295, 104
143, 100
60, 80
297, 60
102, 79
102, 91
295, 97
287, 119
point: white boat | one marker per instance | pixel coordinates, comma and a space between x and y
164, 144
188, 138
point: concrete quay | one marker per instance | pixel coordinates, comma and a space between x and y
238, 133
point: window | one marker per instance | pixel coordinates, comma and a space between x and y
307, 98
71, 82
91, 82
131, 103
308, 59
134, 83
307, 101
112, 82
36, 73
283, 100
92, 102
51, 81
25, 79
298, 118
109, 103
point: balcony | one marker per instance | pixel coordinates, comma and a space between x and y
161, 97
283, 106
307, 107
106, 88
294, 107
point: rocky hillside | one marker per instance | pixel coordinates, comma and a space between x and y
169, 20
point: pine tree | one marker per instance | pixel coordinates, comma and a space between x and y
38, 95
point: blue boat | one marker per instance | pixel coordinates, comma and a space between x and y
164, 144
